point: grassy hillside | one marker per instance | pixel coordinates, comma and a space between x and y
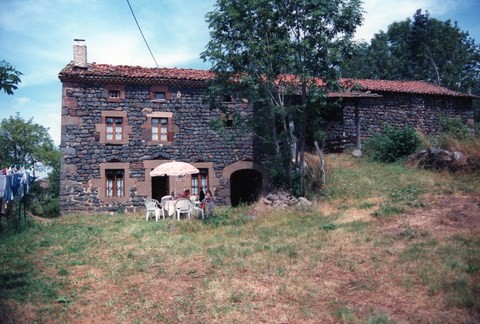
383, 244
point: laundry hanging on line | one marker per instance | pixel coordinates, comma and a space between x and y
15, 182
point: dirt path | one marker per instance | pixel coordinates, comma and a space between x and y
444, 216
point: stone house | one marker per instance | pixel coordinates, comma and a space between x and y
120, 122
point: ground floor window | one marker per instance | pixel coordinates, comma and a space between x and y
199, 182
115, 182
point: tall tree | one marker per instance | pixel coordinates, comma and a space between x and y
23, 142
9, 78
268, 50
422, 48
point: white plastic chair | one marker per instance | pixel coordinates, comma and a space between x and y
153, 209
183, 206
196, 209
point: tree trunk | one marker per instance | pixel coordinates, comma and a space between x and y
323, 166
273, 129
303, 127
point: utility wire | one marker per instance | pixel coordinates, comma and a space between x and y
141, 32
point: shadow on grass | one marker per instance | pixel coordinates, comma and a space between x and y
6, 315
12, 281
8, 282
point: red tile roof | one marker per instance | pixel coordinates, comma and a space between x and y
419, 87
124, 73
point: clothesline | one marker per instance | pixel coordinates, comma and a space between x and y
14, 185
15, 182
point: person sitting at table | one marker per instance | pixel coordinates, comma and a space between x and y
186, 194
208, 201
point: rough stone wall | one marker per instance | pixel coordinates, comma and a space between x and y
194, 140
401, 110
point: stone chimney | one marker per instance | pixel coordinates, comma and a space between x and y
79, 53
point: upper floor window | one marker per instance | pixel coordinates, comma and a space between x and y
160, 93
159, 129
114, 128
115, 183
114, 93
229, 120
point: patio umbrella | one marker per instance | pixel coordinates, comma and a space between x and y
174, 168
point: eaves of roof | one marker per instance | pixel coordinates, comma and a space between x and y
414, 87
353, 95
133, 74
142, 75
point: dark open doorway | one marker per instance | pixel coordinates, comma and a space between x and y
160, 187
245, 187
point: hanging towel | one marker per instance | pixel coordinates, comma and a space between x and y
3, 184
18, 185
9, 188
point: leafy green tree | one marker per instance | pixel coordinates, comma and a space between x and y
359, 63
422, 48
256, 48
23, 142
9, 78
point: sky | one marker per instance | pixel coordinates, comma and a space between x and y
36, 38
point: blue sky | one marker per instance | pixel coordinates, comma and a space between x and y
36, 37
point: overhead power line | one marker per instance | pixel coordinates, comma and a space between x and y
141, 32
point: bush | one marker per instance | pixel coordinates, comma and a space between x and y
392, 145
45, 207
454, 128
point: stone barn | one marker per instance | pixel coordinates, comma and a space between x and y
376, 103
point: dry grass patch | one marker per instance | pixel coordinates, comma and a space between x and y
341, 261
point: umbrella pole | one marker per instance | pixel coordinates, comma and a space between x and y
175, 192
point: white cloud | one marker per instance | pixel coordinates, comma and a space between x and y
22, 100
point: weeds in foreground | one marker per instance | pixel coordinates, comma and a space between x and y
281, 265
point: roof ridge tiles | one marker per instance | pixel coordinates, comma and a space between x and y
123, 73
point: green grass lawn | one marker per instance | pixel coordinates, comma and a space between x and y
383, 244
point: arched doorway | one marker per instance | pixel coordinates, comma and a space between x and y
245, 186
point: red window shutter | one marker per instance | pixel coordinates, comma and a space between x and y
170, 131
